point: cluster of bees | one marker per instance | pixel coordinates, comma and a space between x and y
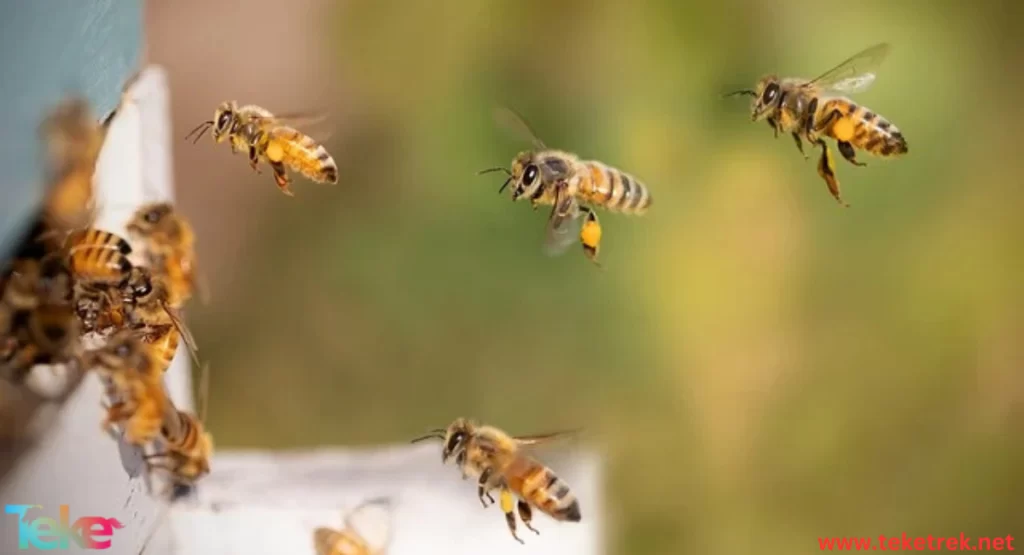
69, 280
84, 300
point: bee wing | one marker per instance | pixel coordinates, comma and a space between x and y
544, 438
308, 122
514, 123
186, 335
558, 234
296, 118
371, 520
289, 133
856, 73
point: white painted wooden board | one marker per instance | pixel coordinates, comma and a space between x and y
263, 502
76, 464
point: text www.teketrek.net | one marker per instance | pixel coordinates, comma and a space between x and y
904, 542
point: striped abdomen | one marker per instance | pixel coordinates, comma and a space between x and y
97, 255
182, 431
301, 153
612, 189
333, 542
539, 486
864, 129
164, 348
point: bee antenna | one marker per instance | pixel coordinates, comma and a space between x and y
436, 433
201, 128
746, 92
505, 184
490, 170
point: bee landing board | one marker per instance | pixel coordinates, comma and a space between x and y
74, 463
270, 503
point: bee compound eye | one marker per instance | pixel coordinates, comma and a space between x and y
152, 216
770, 92
530, 175
224, 120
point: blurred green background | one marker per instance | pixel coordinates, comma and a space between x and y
759, 365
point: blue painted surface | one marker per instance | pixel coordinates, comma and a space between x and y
49, 49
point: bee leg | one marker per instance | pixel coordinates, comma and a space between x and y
846, 149
507, 505
590, 235
827, 171
281, 178
115, 413
526, 515
480, 492
799, 144
254, 160
774, 126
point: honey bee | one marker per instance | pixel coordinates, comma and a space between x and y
366, 531
269, 138
139, 403
73, 139
572, 187
167, 242
148, 313
188, 447
497, 461
99, 262
810, 110
37, 322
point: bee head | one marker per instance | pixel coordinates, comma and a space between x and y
766, 98
148, 218
455, 439
142, 287
224, 120
525, 176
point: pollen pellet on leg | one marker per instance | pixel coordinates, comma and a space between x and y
275, 152
590, 235
842, 130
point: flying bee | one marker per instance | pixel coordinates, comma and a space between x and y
573, 187
168, 245
139, 403
810, 110
188, 446
366, 531
498, 462
270, 138
72, 138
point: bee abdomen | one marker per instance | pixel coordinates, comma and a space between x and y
865, 130
615, 190
98, 264
551, 494
166, 348
880, 137
99, 255
308, 157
